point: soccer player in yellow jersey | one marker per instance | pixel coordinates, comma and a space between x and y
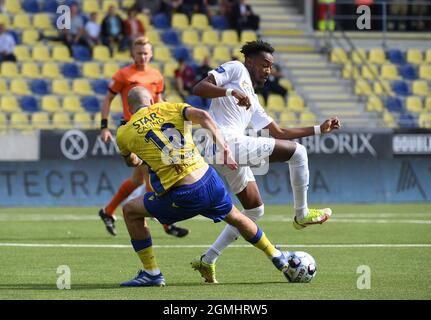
183, 183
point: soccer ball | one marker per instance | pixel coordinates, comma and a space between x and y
302, 267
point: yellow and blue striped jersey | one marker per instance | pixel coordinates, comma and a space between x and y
158, 135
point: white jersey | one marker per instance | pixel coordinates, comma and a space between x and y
231, 118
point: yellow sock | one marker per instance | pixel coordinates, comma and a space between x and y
266, 246
148, 259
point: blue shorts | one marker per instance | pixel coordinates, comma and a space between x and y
207, 197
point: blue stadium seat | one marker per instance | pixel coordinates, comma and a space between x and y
407, 120
31, 6
161, 21
219, 22
70, 70
195, 101
396, 56
100, 86
181, 53
90, 104
408, 72
81, 53
401, 87
50, 6
170, 37
29, 104
39, 87
394, 104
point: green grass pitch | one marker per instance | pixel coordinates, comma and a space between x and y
394, 241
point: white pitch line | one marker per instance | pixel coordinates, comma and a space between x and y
123, 246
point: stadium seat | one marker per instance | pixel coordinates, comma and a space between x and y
190, 37
91, 70
180, 21
389, 72
407, 120
90, 6
428, 104
181, 53
13, 6
21, 21
82, 120
61, 53
117, 105
40, 120
30, 37
90, 104
19, 87
9, 70
3, 122
161, 21
3, 87
370, 71
286, 84
389, 119
70, 70
60, 86
154, 37
247, 36
31, 6
359, 56
145, 20
428, 56
101, 53
122, 56
219, 22
394, 104
42, 21
377, 55
162, 53
295, 103
50, 103
401, 88
425, 71
40, 53
19, 120
408, 72
210, 37
276, 103
108, 3
195, 101
109, 69
30, 70
424, 120
100, 86
236, 52
221, 54
170, 37
29, 104
199, 21
229, 38
396, 56
51, 70
362, 87
374, 104
288, 118
414, 104
22, 53
39, 87
81, 53
350, 71
61, 120
72, 104
307, 119
200, 52
174, 98
382, 87
50, 6
338, 55
169, 69
9, 103
420, 88
4, 19
82, 87
414, 56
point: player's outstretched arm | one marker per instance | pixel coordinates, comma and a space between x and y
294, 133
198, 116
105, 134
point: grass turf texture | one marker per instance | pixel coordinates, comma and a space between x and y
243, 272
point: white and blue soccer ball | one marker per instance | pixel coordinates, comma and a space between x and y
302, 267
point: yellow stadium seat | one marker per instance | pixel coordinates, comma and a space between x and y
362, 87
307, 119
414, 104
276, 103
210, 37
91, 70
383, 87
261, 100
428, 56
180, 21
190, 37
162, 53
3, 86
42, 21
236, 52
60, 86
377, 55
288, 118
286, 84
154, 37
420, 88
169, 69
30, 37
20, 87
295, 103
122, 56
370, 71
21, 21
9, 70
350, 71
156, 65
72, 104
359, 56
82, 87
40, 53
3, 122
375, 104
109, 69
338, 55
40, 120
107, 3
82, 120
174, 98
61, 53
428, 104
51, 70
50, 103
22, 53
222, 54
9, 103
101, 53
389, 72
144, 19
4, 19
414, 56
229, 38
200, 21
247, 36
13, 6
200, 52
61, 120
19, 120
117, 104
425, 71
30, 70
389, 119
424, 120
90, 6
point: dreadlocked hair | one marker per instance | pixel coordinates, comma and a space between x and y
253, 47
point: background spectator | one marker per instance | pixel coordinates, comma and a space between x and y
92, 30
148, 7
272, 85
113, 31
133, 27
172, 6
76, 34
241, 16
7, 44
185, 78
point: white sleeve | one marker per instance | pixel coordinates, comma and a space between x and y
260, 119
227, 72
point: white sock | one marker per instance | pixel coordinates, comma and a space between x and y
229, 235
299, 180
153, 272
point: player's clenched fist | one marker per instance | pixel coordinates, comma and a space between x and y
330, 124
242, 99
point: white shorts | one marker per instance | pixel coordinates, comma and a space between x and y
248, 152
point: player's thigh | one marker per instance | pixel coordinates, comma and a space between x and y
138, 175
135, 208
250, 197
283, 150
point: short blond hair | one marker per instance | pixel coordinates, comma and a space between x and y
140, 41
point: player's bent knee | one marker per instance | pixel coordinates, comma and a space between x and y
255, 213
300, 156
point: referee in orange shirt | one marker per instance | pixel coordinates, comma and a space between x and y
137, 74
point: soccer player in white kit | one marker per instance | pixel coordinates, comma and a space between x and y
234, 106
